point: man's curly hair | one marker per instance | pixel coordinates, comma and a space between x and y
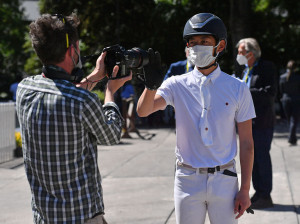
48, 36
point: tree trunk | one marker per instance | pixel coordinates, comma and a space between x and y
240, 15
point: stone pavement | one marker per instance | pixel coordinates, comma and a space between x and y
138, 182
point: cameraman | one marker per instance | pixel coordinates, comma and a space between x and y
61, 124
208, 103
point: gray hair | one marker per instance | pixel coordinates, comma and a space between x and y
252, 45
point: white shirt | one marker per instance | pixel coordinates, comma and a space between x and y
230, 102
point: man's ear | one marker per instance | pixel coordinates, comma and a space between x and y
221, 46
70, 55
70, 52
250, 54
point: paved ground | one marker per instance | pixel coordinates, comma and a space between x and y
138, 182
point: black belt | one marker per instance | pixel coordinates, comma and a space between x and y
207, 169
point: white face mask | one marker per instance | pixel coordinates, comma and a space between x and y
189, 60
242, 59
201, 55
79, 63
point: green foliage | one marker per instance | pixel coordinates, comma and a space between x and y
33, 64
153, 23
159, 24
100, 95
261, 5
174, 2
12, 29
276, 26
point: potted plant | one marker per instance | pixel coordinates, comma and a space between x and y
18, 150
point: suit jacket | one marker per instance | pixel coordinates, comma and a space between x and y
290, 89
178, 68
263, 88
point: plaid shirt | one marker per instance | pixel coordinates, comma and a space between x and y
61, 126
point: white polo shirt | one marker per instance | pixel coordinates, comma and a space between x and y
231, 102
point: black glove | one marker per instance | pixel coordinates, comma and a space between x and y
153, 73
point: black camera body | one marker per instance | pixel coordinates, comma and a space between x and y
127, 60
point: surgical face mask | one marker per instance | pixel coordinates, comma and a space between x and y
189, 60
201, 55
79, 63
241, 59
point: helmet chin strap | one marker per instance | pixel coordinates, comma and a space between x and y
213, 64
209, 66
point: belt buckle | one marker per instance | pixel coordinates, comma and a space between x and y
211, 170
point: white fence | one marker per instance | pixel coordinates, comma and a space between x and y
7, 131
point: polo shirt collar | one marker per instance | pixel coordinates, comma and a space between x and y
213, 76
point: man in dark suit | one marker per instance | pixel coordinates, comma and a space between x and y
180, 67
261, 78
289, 86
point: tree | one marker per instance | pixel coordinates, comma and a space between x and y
278, 30
159, 24
12, 29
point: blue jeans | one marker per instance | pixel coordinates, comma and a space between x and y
262, 166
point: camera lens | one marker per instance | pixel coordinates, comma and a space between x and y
136, 57
127, 60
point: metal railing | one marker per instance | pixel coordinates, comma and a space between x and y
7, 131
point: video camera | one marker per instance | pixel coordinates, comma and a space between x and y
128, 60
